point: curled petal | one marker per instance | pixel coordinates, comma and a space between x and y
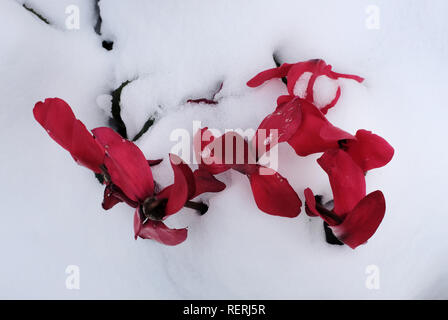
126, 164
362, 222
269, 74
334, 75
57, 118
157, 231
325, 109
369, 150
316, 133
274, 195
206, 182
346, 179
298, 69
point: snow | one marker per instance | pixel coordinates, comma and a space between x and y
177, 50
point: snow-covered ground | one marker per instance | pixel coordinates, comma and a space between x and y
172, 51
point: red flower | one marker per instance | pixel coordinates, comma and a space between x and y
127, 174
272, 193
303, 126
369, 150
355, 217
57, 118
293, 72
131, 175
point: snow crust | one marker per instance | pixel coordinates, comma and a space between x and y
179, 50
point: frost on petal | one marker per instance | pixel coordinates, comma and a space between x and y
316, 133
369, 150
126, 164
157, 231
206, 182
269, 74
347, 180
57, 118
362, 222
285, 120
274, 195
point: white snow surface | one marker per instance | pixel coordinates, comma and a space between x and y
51, 214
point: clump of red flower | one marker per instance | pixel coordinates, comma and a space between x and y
346, 158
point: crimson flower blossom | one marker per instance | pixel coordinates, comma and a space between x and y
272, 193
355, 216
303, 126
127, 174
293, 72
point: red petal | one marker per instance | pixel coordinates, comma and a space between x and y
232, 151
183, 187
266, 75
126, 164
369, 150
346, 179
316, 133
363, 221
310, 203
335, 75
311, 210
284, 99
285, 119
158, 231
56, 116
110, 200
274, 195
206, 182
299, 69
201, 140
325, 109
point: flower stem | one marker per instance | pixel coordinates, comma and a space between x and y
199, 206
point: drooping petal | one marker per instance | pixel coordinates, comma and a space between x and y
285, 120
362, 222
316, 133
183, 188
369, 150
269, 74
206, 182
110, 200
274, 195
126, 164
158, 231
57, 118
114, 195
347, 180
